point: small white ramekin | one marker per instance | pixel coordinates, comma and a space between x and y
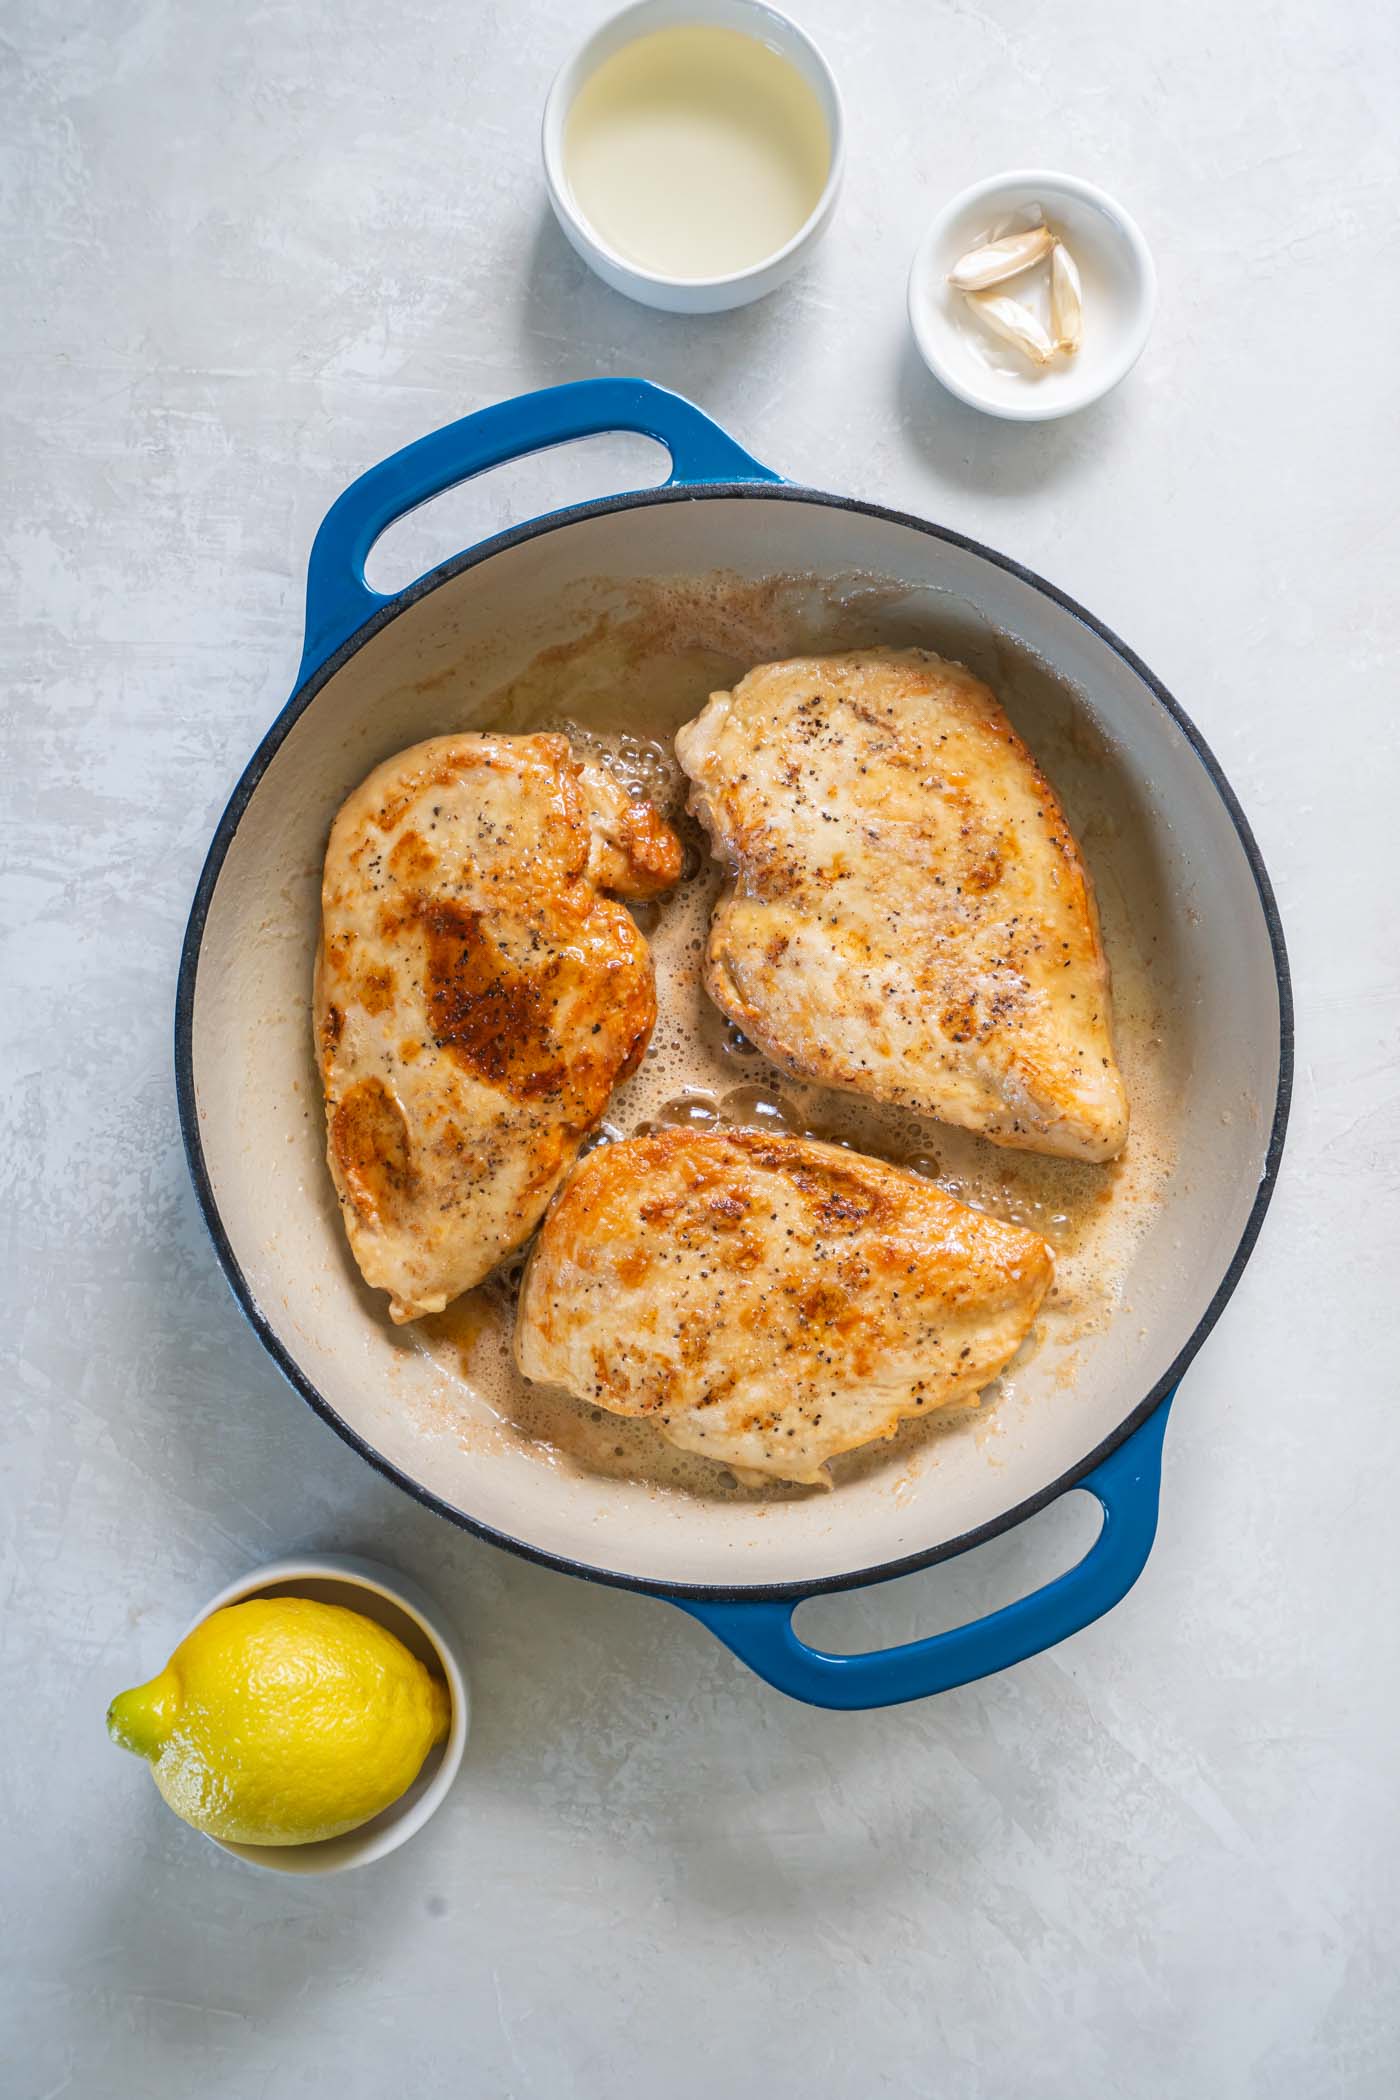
1120, 297
399, 1604
691, 295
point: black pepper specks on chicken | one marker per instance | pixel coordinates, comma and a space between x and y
479, 993
912, 920
853, 1293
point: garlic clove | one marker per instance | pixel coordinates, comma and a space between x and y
995, 261
1014, 323
1066, 299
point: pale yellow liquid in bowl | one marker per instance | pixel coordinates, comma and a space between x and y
696, 152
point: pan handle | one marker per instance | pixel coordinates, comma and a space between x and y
760, 1631
338, 600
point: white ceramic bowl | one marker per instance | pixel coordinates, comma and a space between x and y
691, 295
1120, 298
363, 1586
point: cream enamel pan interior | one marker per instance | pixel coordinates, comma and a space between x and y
1174, 846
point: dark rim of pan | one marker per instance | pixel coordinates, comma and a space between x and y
302, 698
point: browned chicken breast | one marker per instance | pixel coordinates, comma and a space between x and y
770, 1301
477, 996
907, 914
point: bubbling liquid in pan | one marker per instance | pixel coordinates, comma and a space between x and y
634, 677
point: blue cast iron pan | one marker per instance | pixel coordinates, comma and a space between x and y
343, 614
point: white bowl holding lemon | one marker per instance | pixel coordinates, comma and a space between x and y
311, 1720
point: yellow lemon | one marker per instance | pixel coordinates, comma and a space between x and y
282, 1721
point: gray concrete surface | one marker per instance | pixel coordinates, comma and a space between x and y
249, 250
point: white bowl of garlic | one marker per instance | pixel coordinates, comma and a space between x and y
1032, 294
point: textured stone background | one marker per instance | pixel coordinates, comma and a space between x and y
248, 250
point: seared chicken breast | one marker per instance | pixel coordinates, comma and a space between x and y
478, 995
907, 914
770, 1301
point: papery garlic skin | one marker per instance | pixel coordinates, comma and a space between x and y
1020, 221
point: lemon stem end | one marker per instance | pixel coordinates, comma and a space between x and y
141, 1719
